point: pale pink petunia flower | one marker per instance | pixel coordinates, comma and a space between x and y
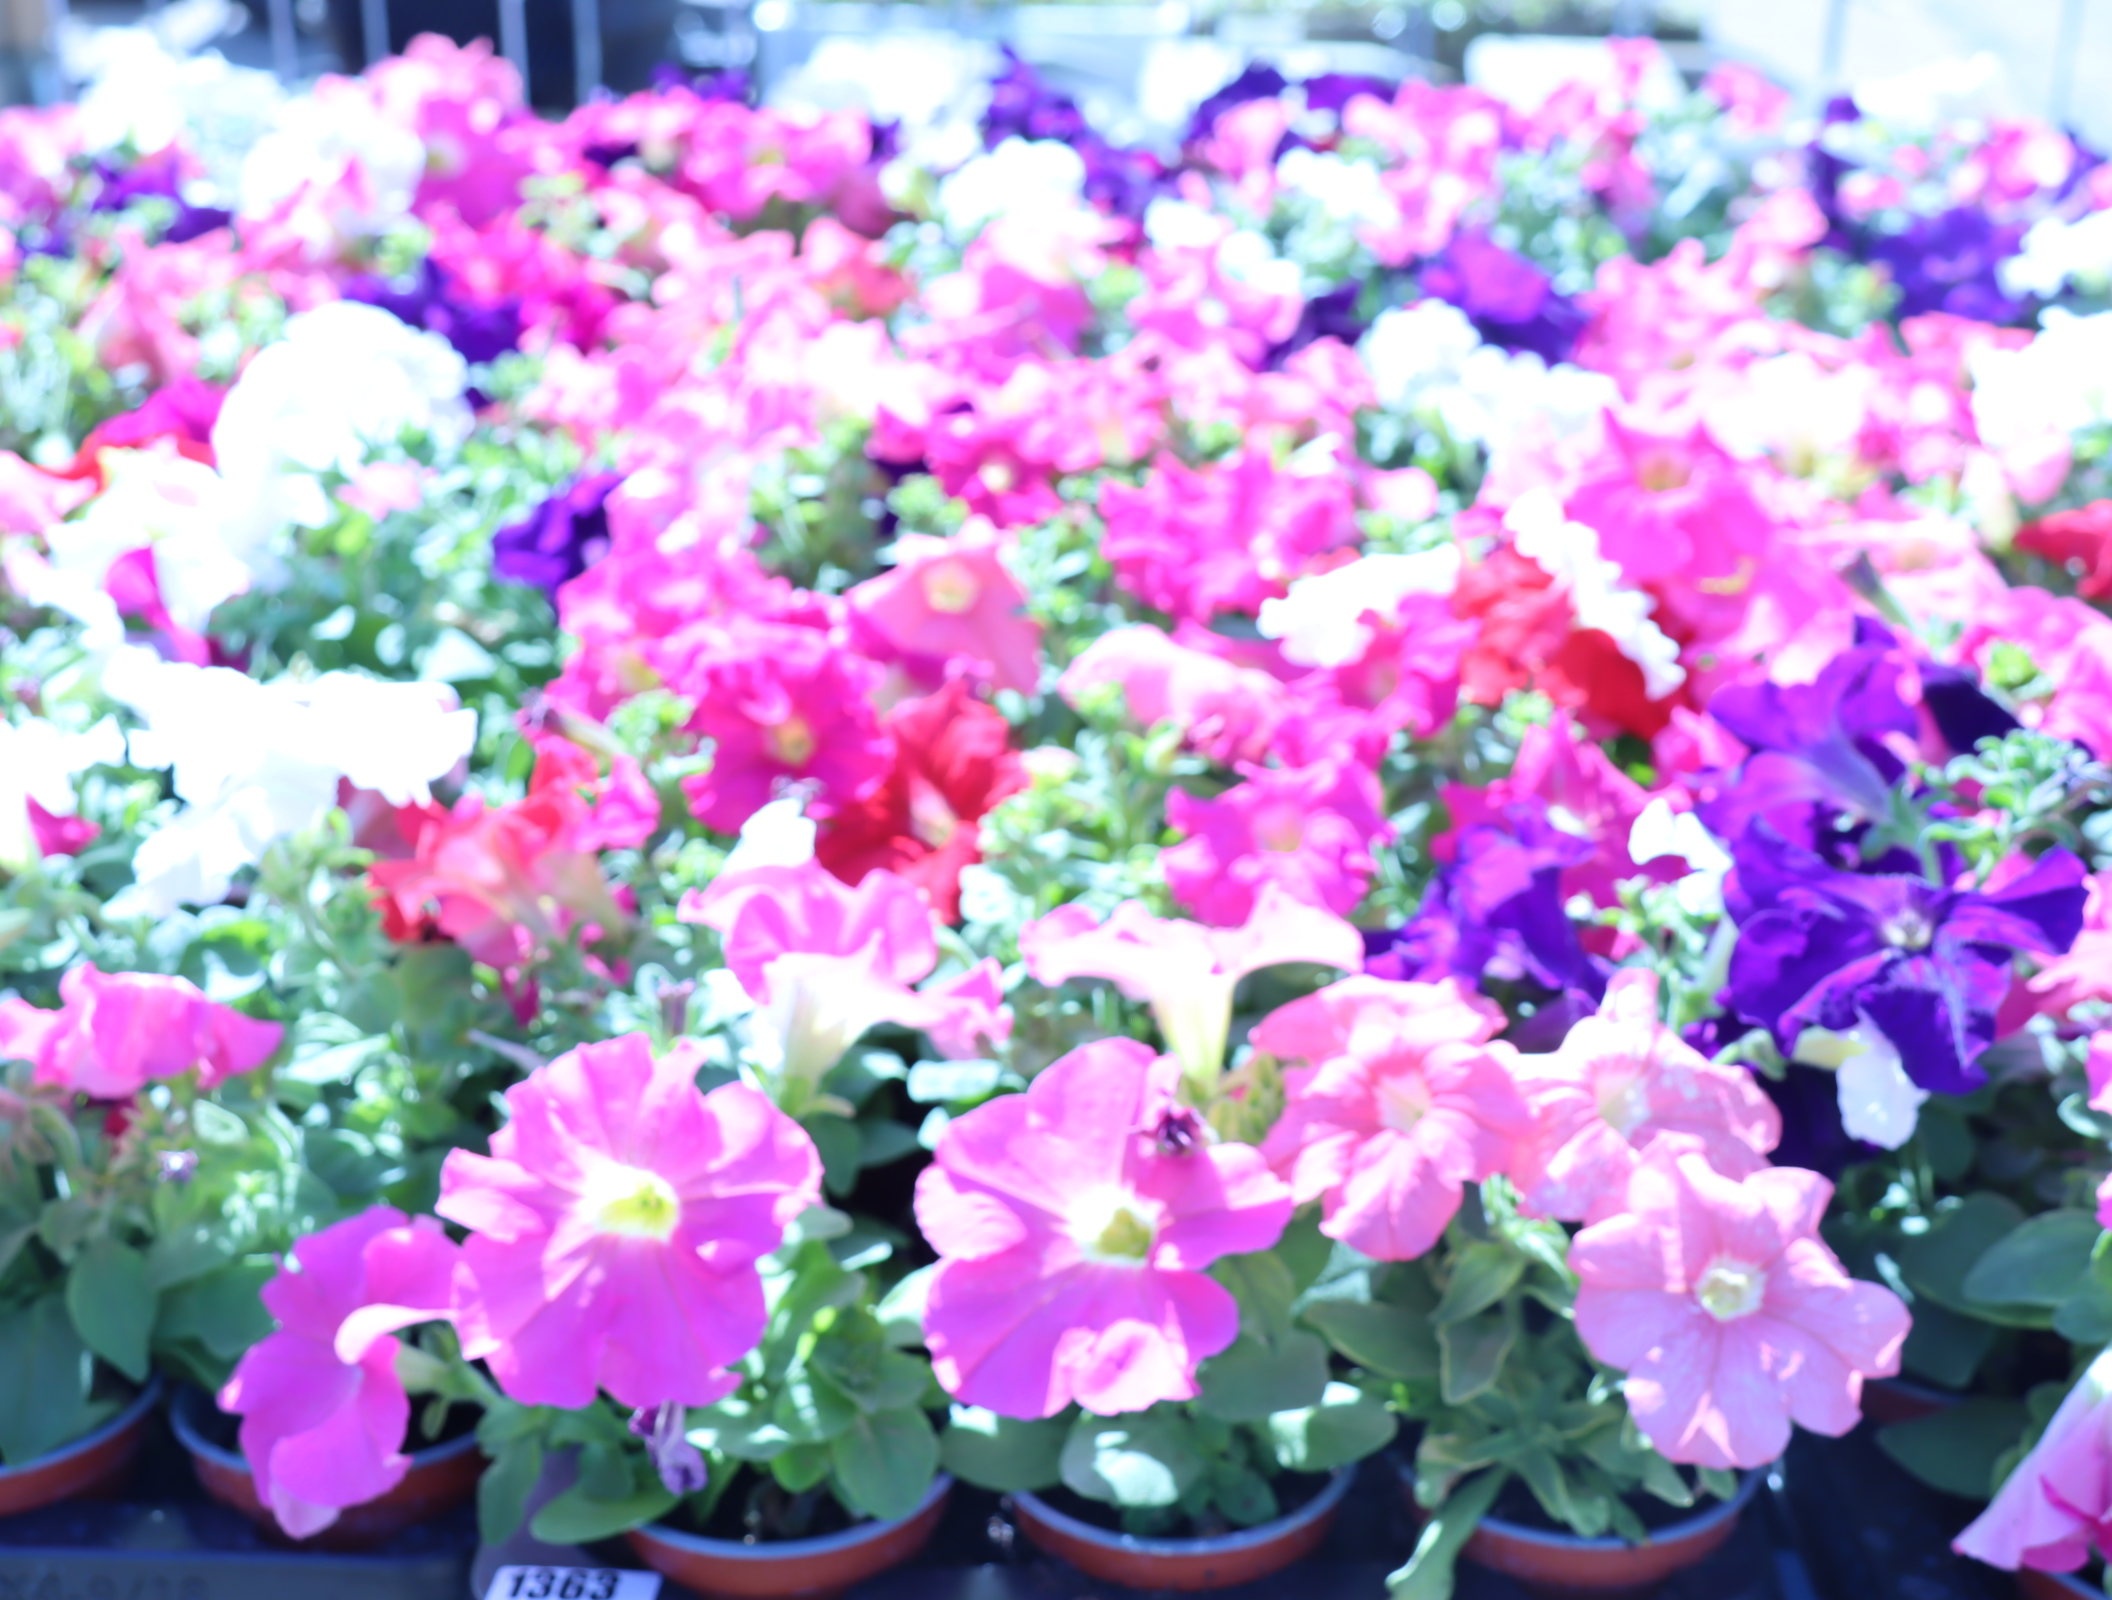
1621, 1079
2056, 1504
826, 960
953, 598
1072, 1228
1403, 1101
1309, 829
1728, 1313
323, 1411
615, 1227
118, 1030
1185, 972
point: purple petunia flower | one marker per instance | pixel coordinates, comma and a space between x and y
480, 332
1819, 947
1949, 262
560, 538
1510, 301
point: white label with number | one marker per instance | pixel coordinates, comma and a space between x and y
572, 1583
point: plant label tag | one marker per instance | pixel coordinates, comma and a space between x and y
572, 1583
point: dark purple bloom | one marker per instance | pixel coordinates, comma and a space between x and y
1259, 81
664, 1428
1511, 302
1819, 947
1497, 910
1024, 106
1330, 315
560, 538
1331, 91
480, 332
1948, 263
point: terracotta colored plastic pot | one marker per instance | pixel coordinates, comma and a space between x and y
1890, 1400
440, 1479
94, 1462
1183, 1563
2057, 1586
812, 1568
1562, 1563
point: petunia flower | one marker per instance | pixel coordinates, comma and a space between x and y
1072, 1239
1622, 1079
1309, 829
323, 1412
953, 761
1185, 972
615, 1227
117, 1031
563, 536
1728, 1313
1404, 1100
1928, 966
825, 961
953, 598
2056, 1504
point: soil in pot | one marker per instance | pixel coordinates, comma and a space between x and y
747, 1566
443, 1475
98, 1463
1102, 1549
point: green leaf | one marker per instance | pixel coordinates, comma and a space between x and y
1385, 1339
801, 1467
1346, 1426
1471, 1354
502, 1493
1956, 1449
1304, 1249
838, 1141
221, 1310
1428, 1574
112, 1305
44, 1401
1944, 1346
884, 1463
1145, 1459
2039, 1264
1004, 1454
1253, 1378
901, 1309
1482, 1274
1242, 1494
187, 1252
1264, 1288
883, 1140
1935, 1263
576, 1518
811, 1409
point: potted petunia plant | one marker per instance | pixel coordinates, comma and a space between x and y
144, 1177
1115, 1306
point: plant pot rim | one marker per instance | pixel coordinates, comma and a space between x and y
1218, 1544
1749, 1481
794, 1549
190, 1397
148, 1397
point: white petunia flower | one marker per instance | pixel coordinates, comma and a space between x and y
1660, 832
1317, 621
1880, 1104
1569, 552
1020, 176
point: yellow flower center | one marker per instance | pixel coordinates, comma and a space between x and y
1403, 1101
632, 1203
1625, 1105
1731, 1289
950, 587
790, 742
1114, 1227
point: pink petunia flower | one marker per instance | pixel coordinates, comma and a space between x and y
1309, 829
118, 1030
615, 1227
2056, 1504
1728, 1313
1072, 1239
1226, 711
1620, 1080
953, 598
323, 1411
1185, 972
827, 960
1404, 1102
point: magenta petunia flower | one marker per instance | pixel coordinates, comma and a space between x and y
953, 598
1621, 1079
1404, 1102
119, 1030
616, 1224
1309, 829
1186, 972
1072, 1239
2056, 1504
323, 1412
1728, 1313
